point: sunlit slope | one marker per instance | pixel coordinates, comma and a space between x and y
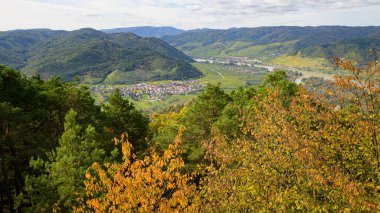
93, 55
311, 47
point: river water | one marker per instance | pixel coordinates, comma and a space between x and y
309, 74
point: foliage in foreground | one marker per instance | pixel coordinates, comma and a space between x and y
275, 148
305, 156
295, 152
60, 179
32, 118
153, 184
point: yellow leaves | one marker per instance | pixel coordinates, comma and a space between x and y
126, 149
168, 154
56, 208
304, 157
162, 122
88, 175
147, 160
149, 185
155, 157
116, 141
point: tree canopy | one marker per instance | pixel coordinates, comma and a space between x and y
278, 147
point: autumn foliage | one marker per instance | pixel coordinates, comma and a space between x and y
294, 151
308, 156
154, 184
278, 147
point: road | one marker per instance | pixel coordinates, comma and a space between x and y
220, 74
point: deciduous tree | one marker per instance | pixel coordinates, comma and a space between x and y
154, 184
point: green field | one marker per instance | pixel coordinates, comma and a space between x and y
302, 62
212, 74
228, 81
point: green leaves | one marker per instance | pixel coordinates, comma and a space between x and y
122, 116
64, 172
46, 121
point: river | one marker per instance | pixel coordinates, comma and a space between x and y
309, 74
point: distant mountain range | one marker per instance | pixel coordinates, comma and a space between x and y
275, 44
119, 56
94, 56
147, 31
357, 49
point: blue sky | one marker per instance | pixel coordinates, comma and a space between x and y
189, 14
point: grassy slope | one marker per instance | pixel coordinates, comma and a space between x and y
268, 53
231, 80
300, 62
282, 53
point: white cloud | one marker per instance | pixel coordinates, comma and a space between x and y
187, 14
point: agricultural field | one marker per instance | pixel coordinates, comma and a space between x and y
236, 49
228, 76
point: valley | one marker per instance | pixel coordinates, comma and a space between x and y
157, 95
230, 72
237, 57
100, 115
242, 57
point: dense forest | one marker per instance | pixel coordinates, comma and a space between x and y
92, 55
305, 36
277, 147
260, 42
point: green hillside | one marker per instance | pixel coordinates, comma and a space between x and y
279, 43
357, 49
265, 35
93, 55
15, 45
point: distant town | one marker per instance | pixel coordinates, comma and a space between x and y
153, 92
161, 91
239, 61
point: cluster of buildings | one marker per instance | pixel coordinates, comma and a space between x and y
243, 69
241, 61
154, 92
158, 91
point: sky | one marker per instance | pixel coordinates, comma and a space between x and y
185, 14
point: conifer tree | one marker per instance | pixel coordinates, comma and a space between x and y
61, 178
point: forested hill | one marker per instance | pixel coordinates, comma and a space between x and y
147, 31
92, 55
355, 49
306, 36
15, 45
264, 41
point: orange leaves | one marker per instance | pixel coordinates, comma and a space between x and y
304, 156
149, 185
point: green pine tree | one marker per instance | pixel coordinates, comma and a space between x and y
61, 178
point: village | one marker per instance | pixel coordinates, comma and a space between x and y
152, 92
239, 61
161, 91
